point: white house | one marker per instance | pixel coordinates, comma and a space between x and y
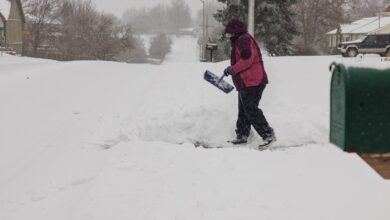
4, 12
360, 28
12, 22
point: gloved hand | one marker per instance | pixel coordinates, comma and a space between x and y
228, 71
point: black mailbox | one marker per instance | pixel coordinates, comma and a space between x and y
211, 47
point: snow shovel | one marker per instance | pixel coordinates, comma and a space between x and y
218, 81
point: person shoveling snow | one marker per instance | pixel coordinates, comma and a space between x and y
250, 79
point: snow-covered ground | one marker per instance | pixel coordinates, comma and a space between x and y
102, 140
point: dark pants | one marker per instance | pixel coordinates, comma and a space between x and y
250, 114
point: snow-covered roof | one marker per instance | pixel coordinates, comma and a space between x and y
363, 26
5, 6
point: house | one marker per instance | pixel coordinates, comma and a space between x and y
3, 14
12, 22
359, 29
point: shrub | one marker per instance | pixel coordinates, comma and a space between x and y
160, 46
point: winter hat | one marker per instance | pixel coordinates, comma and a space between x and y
235, 26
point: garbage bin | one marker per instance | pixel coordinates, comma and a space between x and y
360, 109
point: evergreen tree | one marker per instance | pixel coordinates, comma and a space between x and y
160, 46
179, 15
274, 23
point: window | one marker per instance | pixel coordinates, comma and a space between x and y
362, 37
370, 39
381, 39
346, 38
331, 41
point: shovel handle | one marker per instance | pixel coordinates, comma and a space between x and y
221, 78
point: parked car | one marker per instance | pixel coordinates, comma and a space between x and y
370, 44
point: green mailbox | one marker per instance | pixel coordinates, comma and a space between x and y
360, 109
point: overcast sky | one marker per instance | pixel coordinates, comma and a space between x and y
117, 7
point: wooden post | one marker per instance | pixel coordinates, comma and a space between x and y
251, 17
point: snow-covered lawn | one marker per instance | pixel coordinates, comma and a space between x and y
102, 140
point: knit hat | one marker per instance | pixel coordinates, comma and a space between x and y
235, 26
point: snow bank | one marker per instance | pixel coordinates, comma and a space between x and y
367, 61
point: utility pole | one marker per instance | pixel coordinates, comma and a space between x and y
203, 44
207, 28
251, 17
251, 14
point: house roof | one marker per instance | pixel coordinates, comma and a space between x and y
19, 2
5, 6
363, 26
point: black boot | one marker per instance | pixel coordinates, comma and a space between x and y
268, 139
241, 139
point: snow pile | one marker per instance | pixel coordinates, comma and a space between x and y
367, 61
102, 140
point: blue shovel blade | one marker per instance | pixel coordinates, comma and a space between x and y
213, 79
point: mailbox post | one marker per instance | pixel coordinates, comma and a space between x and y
211, 47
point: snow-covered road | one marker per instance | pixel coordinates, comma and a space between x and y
102, 140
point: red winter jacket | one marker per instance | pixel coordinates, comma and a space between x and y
246, 59
247, 63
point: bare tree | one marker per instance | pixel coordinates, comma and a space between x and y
138, 18
160, 46
131, 48
105, 42
179, 15
87, 34
314, 18
40, 14
357, 9
162, 18
77, 19
137, 53
74, 30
